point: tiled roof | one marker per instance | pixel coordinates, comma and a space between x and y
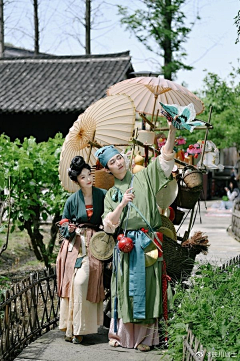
13, 52
58, 84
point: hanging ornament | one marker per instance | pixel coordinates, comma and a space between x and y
211, 156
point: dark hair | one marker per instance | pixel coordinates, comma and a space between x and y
234, 183
76, 167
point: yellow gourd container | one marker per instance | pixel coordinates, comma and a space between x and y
139, 160
137, 168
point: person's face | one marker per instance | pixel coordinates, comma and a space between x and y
85, 178
117, 166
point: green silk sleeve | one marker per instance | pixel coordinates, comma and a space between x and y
153, 176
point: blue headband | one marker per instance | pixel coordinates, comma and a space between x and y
106, 153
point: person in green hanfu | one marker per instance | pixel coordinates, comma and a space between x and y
130, 208
79, 274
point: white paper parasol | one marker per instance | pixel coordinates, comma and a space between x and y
108, 121
147, 92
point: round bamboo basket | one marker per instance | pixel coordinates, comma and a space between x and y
193, 179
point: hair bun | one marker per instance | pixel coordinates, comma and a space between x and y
76, 167
77, 163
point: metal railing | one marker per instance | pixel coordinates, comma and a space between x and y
27, 310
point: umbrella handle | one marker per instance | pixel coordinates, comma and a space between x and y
155, 100
156, 118
91, 145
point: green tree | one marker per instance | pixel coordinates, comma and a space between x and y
224, 97
237, 23
163, 22
35, 188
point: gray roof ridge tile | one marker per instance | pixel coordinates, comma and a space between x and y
68, 58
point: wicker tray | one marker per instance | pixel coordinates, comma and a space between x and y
179, 260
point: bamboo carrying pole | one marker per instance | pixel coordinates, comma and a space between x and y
205, 139
146, 120
186, 235
133, 149
97, 145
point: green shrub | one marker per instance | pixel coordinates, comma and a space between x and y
211, 307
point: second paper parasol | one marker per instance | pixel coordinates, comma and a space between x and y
147, 92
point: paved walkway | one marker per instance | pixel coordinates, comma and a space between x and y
52, 347
215, 225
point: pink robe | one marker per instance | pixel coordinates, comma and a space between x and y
65, 269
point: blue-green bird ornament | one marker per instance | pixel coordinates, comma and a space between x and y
182, 117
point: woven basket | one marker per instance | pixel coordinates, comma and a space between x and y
187, 197
103, 179
179, 260
178, 217
193, 179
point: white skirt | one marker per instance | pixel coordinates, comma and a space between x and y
77, 315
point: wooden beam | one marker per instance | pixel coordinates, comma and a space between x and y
147, 121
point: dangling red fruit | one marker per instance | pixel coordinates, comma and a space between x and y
172, 213
125, 244
195, 155
64, 220
120, 236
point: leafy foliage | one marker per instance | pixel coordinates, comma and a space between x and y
35, 189
237, 23
160, 26
212, 309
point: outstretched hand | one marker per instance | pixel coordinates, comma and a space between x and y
127, 197
171, 126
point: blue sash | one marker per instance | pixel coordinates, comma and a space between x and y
137, 273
